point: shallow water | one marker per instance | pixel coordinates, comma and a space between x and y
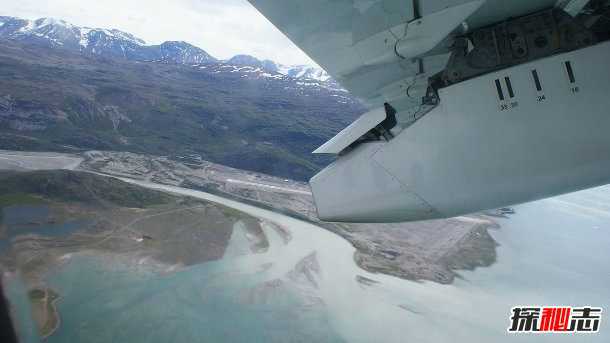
32, 219
552, 252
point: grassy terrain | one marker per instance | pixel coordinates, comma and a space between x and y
69, 186
110, 216
19, 199
56, 100
44, 310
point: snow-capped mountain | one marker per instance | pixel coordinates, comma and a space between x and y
114, 43
247, 60
103, 42
61, 33
115, 92
294, 71
182, 53
304, 72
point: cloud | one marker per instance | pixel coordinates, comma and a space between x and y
223, 28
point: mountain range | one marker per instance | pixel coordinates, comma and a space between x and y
69, 88
118, 44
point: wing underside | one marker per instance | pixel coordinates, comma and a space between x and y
485, 92
385, 50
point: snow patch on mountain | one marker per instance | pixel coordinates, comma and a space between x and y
114, 43
183, 53
99, 41
84, 37
293, 71
60, 32
305, 72
124, 36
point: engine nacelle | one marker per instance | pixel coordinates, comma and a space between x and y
528, 132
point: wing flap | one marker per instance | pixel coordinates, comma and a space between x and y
352, 133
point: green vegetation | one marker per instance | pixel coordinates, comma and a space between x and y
36, 294
231, 212
19, 199
44, 311
70, 186
52, 99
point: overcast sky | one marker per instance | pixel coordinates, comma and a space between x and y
221, 27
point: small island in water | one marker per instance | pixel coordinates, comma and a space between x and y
48, 217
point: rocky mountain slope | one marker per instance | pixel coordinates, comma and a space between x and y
56, 33
294, 71
64, 87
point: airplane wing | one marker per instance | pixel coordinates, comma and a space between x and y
485, 93
382, 50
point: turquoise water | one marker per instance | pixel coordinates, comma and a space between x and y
16, 292
28, 219
117, 299
22, 214
552, 252
200, 304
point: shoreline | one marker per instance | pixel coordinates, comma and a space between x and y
443, 276
45, 311
430, 250
53, 305
362, 252
393, 305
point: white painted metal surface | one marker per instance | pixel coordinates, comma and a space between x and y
352, 39
476, 151
572, 7
484, 146
351, 133
358, 188
422, 35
